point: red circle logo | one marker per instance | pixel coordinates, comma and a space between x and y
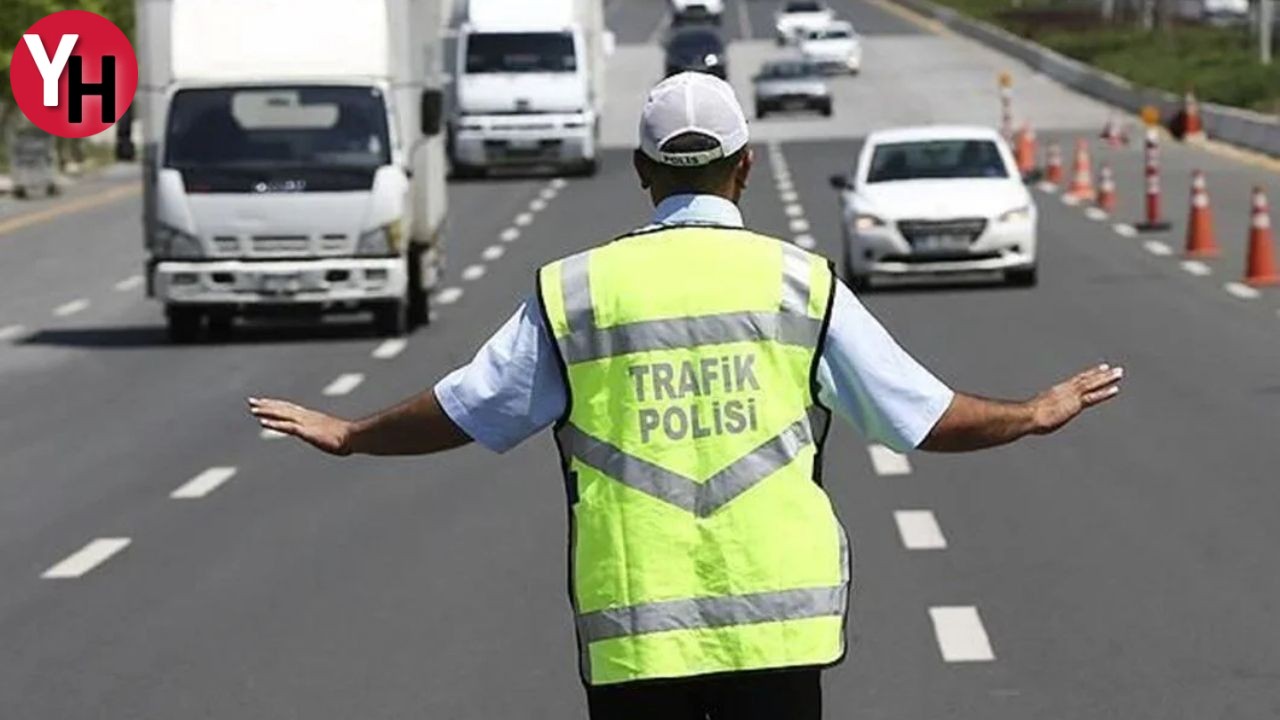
73, 73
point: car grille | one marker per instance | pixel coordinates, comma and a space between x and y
916, 230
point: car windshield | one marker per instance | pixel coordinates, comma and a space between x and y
803, 7
548, 52
318, 126
777, 71
936, 159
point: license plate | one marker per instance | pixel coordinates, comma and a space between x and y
941, 243
795, 104
280, 283
523, 145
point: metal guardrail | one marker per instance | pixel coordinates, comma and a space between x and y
1245, 128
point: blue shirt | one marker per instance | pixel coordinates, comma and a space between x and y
513, 388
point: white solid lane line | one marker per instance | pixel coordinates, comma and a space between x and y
449, 295
919, 530
86, 558
203, 484
524, 218
472, 272
493, 252
1242, 291
961, 637
390, 348
11, 332
1197, 268
344, 384
888, 462
1155, 247
510, 235
806, 241
1125, 230
129, 283
71, 308
799, 225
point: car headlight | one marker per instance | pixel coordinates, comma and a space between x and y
170, 242
867, 221
1018, 214
380, 241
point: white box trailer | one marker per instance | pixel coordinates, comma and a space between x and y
293, 157
529, 84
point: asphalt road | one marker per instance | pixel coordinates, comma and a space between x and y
1121, 569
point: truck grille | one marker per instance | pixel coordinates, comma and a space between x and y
281, 244
917, 230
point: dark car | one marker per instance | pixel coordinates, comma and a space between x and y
697, 49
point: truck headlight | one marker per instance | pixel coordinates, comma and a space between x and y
867, 221
381, 241
171, 243
1018, 214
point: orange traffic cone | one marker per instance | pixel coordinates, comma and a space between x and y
1113, 133
1026, 151
1189, 124
1201, 242
1261, 269
1053, 164
1081, 174
1106, 190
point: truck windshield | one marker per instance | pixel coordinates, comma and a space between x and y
317, 138
521, 52
936, 160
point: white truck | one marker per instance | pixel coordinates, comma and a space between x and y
293, 158
529, 84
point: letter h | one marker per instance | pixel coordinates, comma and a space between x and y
78, 89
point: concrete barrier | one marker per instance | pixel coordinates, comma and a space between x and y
1245, 128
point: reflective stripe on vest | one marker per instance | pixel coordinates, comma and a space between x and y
683, 576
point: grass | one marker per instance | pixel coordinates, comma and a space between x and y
1219, 64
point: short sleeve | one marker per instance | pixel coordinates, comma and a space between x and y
867, 378
512, 389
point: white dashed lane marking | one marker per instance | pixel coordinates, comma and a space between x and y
449, 295
1125, 230
537, 205
793, 211
1197, 268
888, 462
129, 283
961, 636
390, 348
472, 272
799, 225
559, 184
510, 235
71, 308
1155, 247
806, 241
493, 252
1242, 291
1070, 200
1097, 214
919, 530
788, 196
1047, 187
548, 193
11, 332
86, 558
203, 484
344, 384
524, 218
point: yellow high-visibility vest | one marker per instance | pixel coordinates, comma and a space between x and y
701, 539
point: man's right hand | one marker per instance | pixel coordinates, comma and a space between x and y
325, 432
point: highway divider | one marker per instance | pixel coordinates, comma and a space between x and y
1244, 128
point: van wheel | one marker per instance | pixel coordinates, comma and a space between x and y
391, 319
183, 324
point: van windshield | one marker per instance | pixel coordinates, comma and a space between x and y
322, 136
546, 52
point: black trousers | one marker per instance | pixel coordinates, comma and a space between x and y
774, 695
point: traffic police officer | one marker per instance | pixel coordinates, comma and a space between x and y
689, 370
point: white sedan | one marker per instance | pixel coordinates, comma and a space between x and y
694, 10
835, 48
937, 200
798, 18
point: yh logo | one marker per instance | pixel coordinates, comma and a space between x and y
73, 74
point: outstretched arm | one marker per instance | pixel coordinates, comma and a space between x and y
973, 423
417, 426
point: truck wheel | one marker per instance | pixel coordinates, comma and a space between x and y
391, 319
183, 324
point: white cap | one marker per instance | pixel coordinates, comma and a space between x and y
692, 102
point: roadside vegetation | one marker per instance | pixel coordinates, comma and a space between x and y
1219, 63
